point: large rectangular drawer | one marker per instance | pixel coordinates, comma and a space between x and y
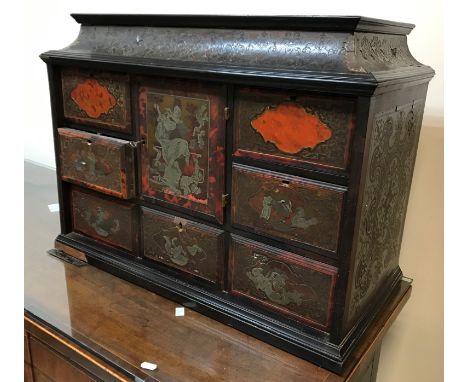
97, 98
189, 246
107, 220
282, 281
102, 163
287, 207
293, 129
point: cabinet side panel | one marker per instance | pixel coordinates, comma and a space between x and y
386, 183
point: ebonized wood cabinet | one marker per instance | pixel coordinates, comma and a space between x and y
256, 168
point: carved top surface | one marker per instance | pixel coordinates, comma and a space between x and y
314, 48
310, 23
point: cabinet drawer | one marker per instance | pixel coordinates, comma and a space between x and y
287, 207
109, 221
97, 98
182, 162
293, 129
101, 163
282, 281
186, 245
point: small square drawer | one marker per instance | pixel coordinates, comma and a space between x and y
282, 281
287, 207
293, 129
183, 244
109, 221
97, 98
102, 163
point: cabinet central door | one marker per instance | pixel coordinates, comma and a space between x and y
182, 158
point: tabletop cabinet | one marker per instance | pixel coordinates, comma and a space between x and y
257, 168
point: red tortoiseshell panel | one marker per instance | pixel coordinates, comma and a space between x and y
182, 160
111, 222
93, 98
290, 128
97, 98
300, 288
102, 163
295, 129
287, 207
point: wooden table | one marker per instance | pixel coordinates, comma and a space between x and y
82, 324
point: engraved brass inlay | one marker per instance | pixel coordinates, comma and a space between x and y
179, 142
273, 284
180, 254
283, 215
102, 222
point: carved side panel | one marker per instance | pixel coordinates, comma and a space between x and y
108, 221
191, 247
282, 281
100, 99
183, 157
392, 156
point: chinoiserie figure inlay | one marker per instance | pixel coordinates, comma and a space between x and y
179, 143
274, 285
193, 248
286, 207
181, 254
91, 169
287, 217
391, 161
103, 224
103, 219
98, 162
281, 280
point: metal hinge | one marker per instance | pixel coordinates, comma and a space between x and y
227, 113
58, 253
225, 199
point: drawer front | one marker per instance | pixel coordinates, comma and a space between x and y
298, 130
282, 281
97, 98
286, 207
183, 159
101, 163
188, 246
111, 222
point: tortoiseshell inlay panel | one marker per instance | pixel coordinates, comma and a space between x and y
191, 247
293, 129
287, 207
102, 163
97, 98
282, 281
183, 158
108, 221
